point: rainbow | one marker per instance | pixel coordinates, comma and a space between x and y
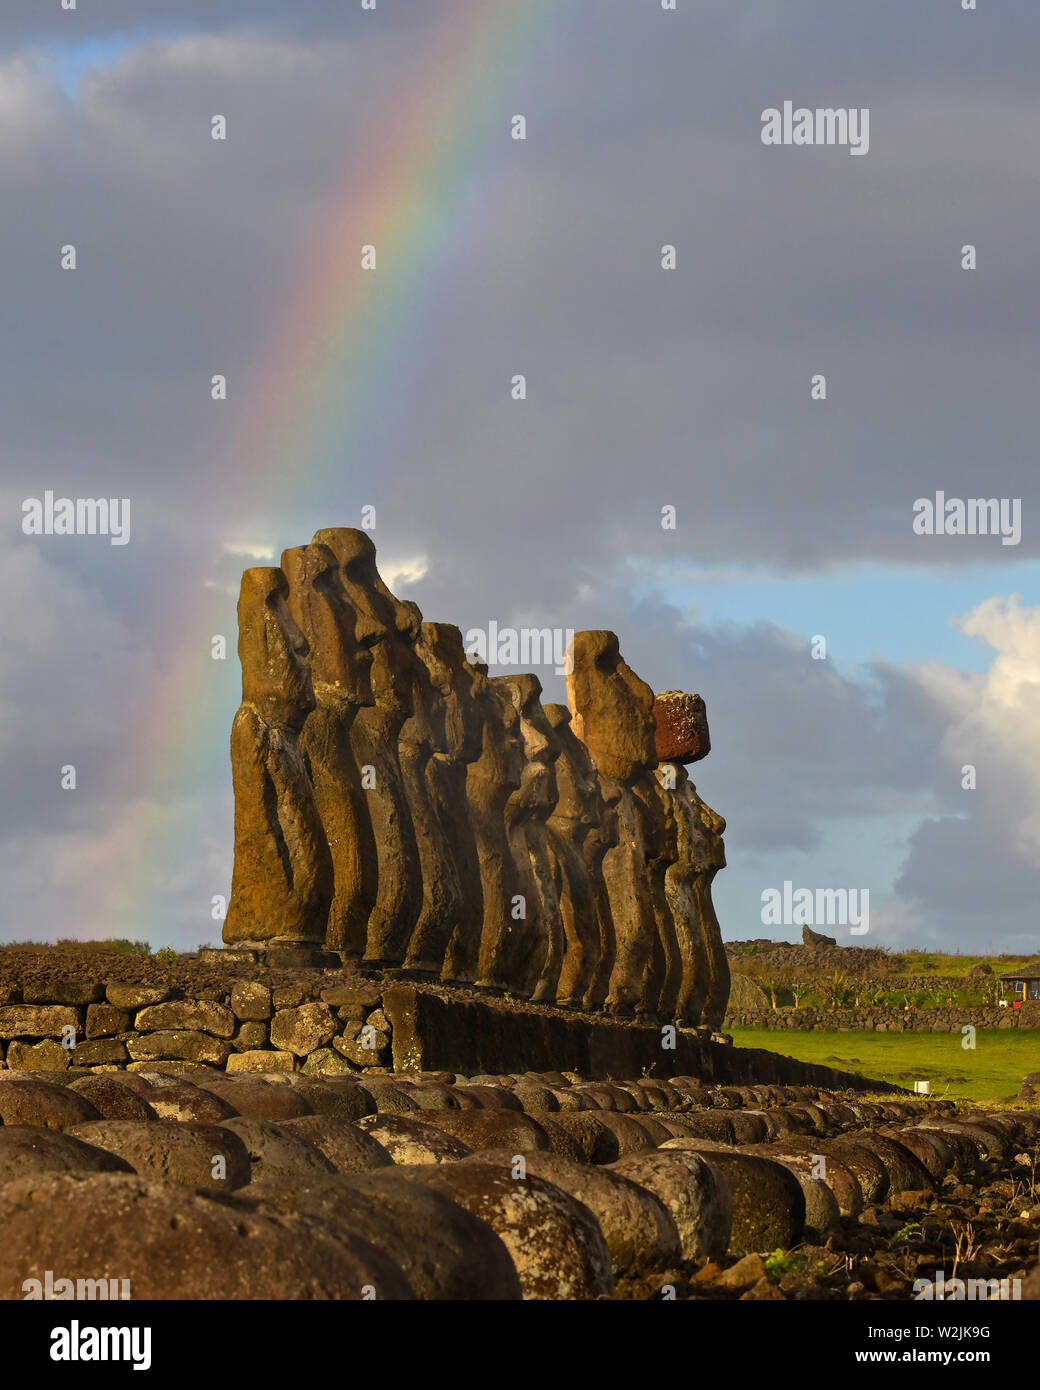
345, 345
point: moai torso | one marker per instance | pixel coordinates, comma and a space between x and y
341, 661
680, 885
713, 826
682, 737
598, 842
423, 739
664, 978
446, 940
375, 742
612, 713
578, 816
536, 941
281, 885
490, 781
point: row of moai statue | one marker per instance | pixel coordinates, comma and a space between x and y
395, 805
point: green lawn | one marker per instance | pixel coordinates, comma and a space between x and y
992, 1072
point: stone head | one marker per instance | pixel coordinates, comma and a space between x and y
428, 722
502, 746
612, 710
579, 796
540, 748
715, 827
441, 650
276, 675
393, 625
340, 640
704, 826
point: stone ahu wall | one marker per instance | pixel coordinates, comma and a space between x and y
395, 806
329, 1023
874, 1020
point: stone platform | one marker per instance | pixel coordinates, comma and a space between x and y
235, 1011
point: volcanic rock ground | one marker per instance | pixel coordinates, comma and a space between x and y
192, 1182
436, 1186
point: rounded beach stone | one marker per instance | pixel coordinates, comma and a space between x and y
275, 1150
445, 1252
640, 1233
412, 1141
112, 1098
174, 1099
346, 1146
598, 1143
255, 1099
175, 1152
391, 1098
335, 1097
695, 1193
171, 1243
491, 1129
905, 1171
40, 1103
555, 1242
27, 1150
768, 1205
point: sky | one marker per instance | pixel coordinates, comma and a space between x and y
647, 388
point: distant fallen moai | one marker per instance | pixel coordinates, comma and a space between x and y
396, 806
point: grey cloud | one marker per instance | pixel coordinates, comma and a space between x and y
646, 387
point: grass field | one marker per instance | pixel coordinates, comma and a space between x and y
992, 1072
939, 963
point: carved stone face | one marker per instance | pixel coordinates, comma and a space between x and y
714, 826
340, 641
578, 791
666, 832
705, 847
427, 726
276, 675
538, 784
440, 649
612, 709
502, 748
393, 625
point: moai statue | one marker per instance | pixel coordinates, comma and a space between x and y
341, 667
446, 939
424, 736
577, 843
536, 941
714, 826
680, 886
375, 740
490, 781
612, 713
281, 885
600, 839
664, 974
682, 737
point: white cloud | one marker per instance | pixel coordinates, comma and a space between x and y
253, 550
401, 574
